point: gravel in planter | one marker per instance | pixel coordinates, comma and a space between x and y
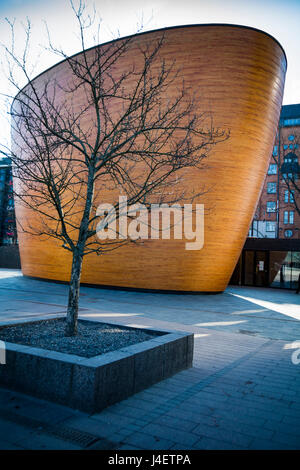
93, 338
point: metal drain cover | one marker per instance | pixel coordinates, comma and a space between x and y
81, 438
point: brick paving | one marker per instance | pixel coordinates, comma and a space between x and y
241, 393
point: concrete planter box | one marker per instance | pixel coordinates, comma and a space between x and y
91, 384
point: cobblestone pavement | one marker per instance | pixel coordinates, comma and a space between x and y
241, 393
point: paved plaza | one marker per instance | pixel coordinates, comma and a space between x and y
241, 393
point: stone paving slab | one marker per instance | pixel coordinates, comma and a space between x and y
238, 309
241, 393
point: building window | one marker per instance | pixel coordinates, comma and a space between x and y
271, 206
291, 158
289, 176
270, 226
272, 169
288, 217
289, 195
284, 269
285, 146
275, 150
291, 146
291, 122
288, 233
286, 196
291, 137
271, 188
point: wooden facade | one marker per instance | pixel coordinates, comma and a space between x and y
239, 73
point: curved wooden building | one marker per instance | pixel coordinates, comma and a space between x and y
239, 73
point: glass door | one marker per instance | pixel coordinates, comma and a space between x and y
261, 269
248, 271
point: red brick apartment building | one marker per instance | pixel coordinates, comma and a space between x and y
271, 255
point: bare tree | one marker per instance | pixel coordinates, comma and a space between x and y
135, 133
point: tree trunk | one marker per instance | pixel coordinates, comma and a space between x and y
72, 312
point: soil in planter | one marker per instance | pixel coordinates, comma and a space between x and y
93, 338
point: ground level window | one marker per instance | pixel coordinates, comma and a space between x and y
284, 269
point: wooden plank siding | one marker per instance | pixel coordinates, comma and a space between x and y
239, 73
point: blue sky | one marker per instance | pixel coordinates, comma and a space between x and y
279, 18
